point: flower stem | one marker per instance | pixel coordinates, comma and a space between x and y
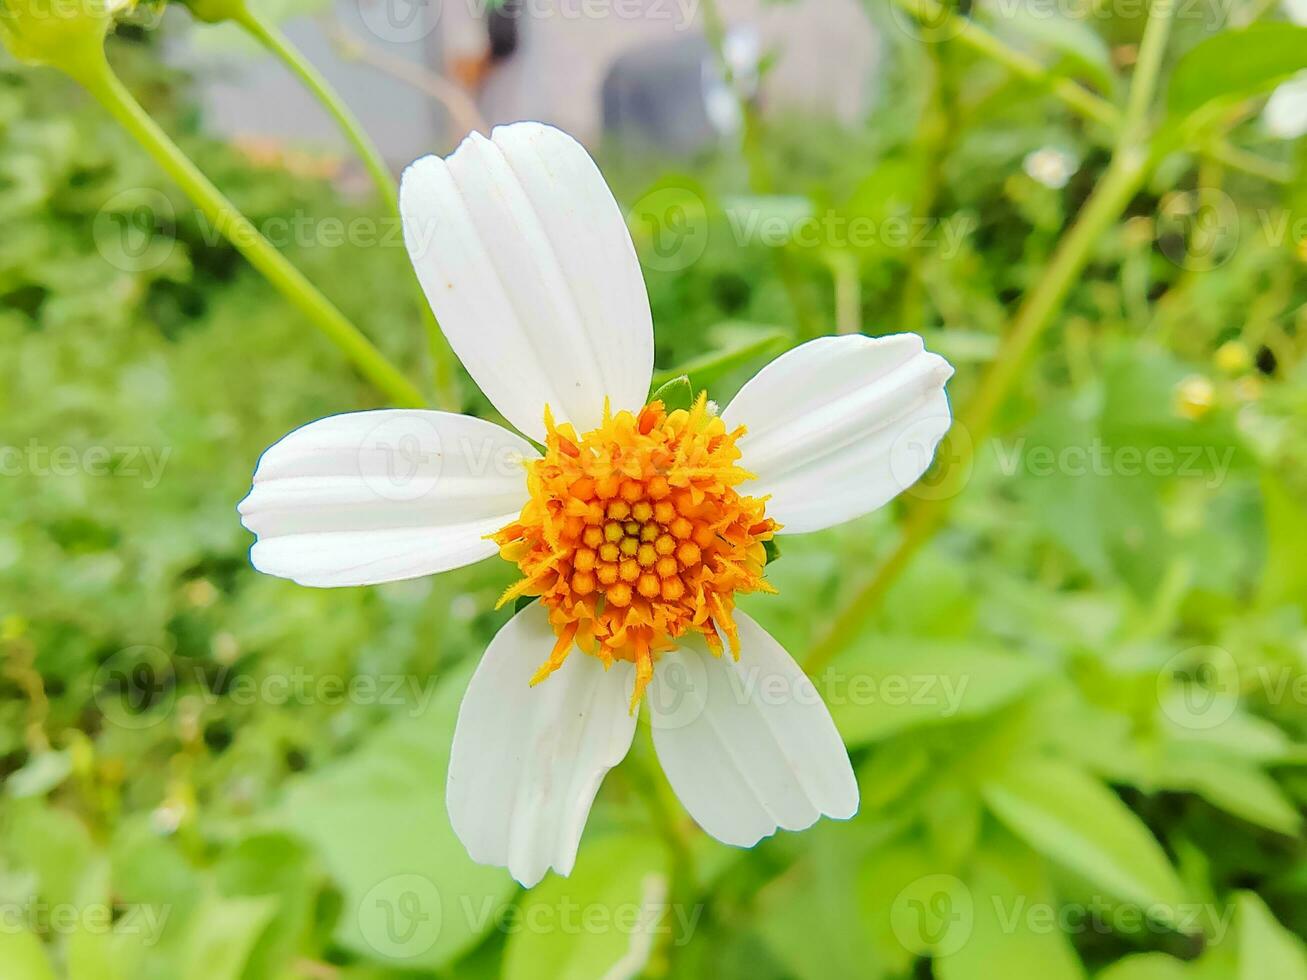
98, 78
972, 427
270, 36
1073, 95
1121, 181
761, 179
970, 33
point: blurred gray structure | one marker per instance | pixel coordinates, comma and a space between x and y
636, 65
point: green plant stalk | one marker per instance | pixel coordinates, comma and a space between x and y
444, 364
976, 37
98, 78
1075, 96
761, 179
1121, 181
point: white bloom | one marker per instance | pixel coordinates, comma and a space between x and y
1285, 115
636, 527
1050, 166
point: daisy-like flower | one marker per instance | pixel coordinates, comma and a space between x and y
634, 525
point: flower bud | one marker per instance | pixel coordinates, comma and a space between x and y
63, 34
216, 11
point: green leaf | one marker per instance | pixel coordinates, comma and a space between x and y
1074, 39
1146, 966
810, 919
744, 342
675, 394
222, 934
1285, 577
602, 920
1014, 931
1236, 64
773, 549
890, 684
1075, 820
1266, 948
23, 956
1236, 788
377, 818
522, 601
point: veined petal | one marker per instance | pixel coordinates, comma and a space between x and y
748, 745
527, 761
379, 496
840, 426
528, 264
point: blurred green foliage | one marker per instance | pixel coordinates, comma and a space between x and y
1078, 717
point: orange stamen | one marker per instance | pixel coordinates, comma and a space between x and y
634, 535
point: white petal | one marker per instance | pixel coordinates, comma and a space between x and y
527, 761
380, 496
528, 264
748, 746
840, 426
1285, 114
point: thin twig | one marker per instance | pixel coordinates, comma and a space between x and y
463, 112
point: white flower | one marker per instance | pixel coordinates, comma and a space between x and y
635, 527
1050, 166
1285, 115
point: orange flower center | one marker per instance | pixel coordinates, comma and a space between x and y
634, 535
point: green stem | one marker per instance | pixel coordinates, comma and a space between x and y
1147, 68
1076, 97
976, 37
761, 179
99, 79
1121, 181
266, 33
972, 427
271, 37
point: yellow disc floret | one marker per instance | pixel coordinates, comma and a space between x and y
634, 535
